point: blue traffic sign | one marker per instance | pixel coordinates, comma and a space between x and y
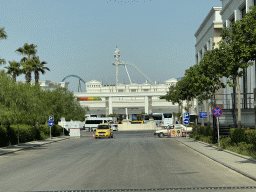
186, 115
217, 111
50, 118
204, 115
50, 123
186, 121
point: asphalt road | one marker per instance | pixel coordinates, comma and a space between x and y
131, 160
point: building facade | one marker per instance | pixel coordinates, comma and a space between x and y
137, 98
207, 37
233, 10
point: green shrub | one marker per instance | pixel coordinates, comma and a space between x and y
243, 146
12, 135
3, 136
195, 129
26, 133
42, 135
237, 135
45, 129
225, 142
250, 137
56, 130
208, 131
197, 137
207, 139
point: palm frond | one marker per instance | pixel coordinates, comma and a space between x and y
3, 34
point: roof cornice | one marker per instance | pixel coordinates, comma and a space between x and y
212, 11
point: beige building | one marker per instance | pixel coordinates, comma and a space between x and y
136, 98
207, 37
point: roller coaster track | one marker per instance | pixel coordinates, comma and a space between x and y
73, 76
80, 79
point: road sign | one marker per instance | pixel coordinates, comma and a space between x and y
176, 133
204, 115
217, 111
186, 121
50, 118
186, 115
50, 123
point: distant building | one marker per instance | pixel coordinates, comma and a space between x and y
137, 98
52, 85
94, 86
47, 84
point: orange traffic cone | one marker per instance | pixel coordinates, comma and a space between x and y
93, 136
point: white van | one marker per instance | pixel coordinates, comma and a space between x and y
91, 123
91, 115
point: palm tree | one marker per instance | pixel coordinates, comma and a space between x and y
29, 50
39, 67
14, 69
2, 36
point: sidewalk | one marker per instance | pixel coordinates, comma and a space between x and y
21, 146
239, 163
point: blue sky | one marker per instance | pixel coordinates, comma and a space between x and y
79, 37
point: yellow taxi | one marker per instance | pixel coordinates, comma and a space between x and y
104, 130
137, 122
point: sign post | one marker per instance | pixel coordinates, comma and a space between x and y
50, 124
186, 121
217, 112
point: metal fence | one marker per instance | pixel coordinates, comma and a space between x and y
230, 101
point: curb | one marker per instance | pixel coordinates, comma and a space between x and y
218, 161
227, 151
31, 142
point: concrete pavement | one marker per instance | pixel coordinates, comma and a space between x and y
239, 163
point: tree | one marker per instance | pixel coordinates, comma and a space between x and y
179, 93
14, 69
210, 72
29, 50
243, 34
174, 96
236, 46
39, 67
3, 35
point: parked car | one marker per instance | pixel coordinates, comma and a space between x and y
161, 132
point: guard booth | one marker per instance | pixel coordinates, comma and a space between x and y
75, 127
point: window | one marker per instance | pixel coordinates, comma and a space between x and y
167, 115
243, 11
232, 20
93, 121
157, 117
